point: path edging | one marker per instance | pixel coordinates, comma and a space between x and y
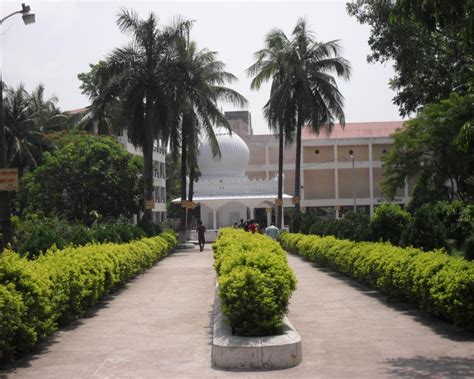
262, 353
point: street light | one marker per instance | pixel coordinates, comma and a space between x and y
28, 18
351, 153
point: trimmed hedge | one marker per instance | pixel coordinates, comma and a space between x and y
38, 296
255, 282
433, 281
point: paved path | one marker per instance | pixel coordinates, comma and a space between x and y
159, 327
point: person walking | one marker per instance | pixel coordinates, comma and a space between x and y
273, 232
201, 231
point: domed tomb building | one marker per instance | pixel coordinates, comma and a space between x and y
225, 194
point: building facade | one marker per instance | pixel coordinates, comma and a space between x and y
159, 173
337, 170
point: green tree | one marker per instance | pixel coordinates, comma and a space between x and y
304, 92
425, 230
270, 64
428, 148
28, 118
389, 223
89, 176
137, 76
198, 79
428, 41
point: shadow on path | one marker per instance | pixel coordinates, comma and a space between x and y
423, 367
440, 327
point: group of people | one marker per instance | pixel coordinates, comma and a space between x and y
249, 226
253, 227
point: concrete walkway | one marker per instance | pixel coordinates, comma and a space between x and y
158, 326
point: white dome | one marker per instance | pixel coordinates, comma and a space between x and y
235, 156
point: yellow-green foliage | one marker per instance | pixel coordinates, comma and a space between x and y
38, 296
435, 282
255, 282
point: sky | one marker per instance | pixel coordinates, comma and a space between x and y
69, 35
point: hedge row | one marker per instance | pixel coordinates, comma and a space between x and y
38, 296
255, 282
433, 281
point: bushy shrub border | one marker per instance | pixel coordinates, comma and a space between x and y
433, 281
255, 282
38, 296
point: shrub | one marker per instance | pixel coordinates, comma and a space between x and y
435, 282
425, 230
455, 218
307, 220
388, 223
354, 226
323, 227
255, 282
58, 287
35, 234
150, 228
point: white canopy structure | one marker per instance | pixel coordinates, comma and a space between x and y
226, 195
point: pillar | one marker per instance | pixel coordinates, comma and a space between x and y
252, 211
214, 219
269, 216
371, 180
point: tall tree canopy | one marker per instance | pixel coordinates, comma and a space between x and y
304, 92
436, 147
135, 79
28, 118
198, 80
429, 43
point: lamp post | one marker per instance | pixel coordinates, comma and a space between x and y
5, 223
351, 152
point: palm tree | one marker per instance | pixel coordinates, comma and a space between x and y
198, 86
305, 92
136, 75
270, 64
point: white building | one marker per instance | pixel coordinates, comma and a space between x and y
225, 194
159, 174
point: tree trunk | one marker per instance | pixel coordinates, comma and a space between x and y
279, 219
182, 224
148, 160
297, 211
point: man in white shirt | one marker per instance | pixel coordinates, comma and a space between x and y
273, 232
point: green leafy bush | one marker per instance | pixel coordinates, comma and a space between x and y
353, 226
35, 234
255, 282
435, 282
388, 223
36, 296
150, 228
425, 230
455, 217
87, 176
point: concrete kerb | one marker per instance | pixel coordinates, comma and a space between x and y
231, 352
